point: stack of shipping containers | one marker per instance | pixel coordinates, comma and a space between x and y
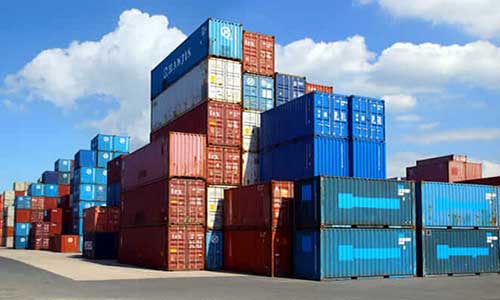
449, 168
100, 228
457, 228
8, 218
23, 218
287, 88
197, 89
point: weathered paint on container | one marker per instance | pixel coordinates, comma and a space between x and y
250, 131
456, 205
214, 79
367, 118
305, 158
223, 165
331, 253
215, 206
288, 87
250, 168
484, 181
343, 201
314, 87
214, 252
258, 92
461, 251
367, 159
258, 53
213, 38
219, 121
445, 171
316, 113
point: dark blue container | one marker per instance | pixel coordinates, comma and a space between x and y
78, 226
305, 158
288, 87
21, 242
121, 144
85, 158
102, 142
50, 177
36, 190
63, 178
103, 158
22, 202
22, 229
214, 253
367, 118
331, 253
113, 194
63, 165
316, 113
367, 159
51, 190
212, 38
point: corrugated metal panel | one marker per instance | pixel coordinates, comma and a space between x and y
214, 78
447, 251
251, 130
330, 201
214, 252
223, 165
367, 159
213, 37
258, 92
215, 206
313, 114
288, 87
258, 53
343, 253
305, 158
458, 205
314, 87
250, 168
367, 116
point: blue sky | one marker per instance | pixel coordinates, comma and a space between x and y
71, 70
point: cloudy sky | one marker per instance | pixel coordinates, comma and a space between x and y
71, 70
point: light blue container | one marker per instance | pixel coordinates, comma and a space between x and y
100, 192
368, 159
84, 192
79, 207
113, 194
80, 243
22, 202
84, 175
22, 229
101, 176
103, 158
51, 190
214, 253
21, 242
457, 205
36, 190
306, 158
316, 113
85, 158
102, 142
332, 253
288, 87
121, 144
63, 165
214, 37
367, 118
64, 178
258, 92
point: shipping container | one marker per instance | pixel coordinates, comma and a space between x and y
50, 177
121, 144
22, 229
343, 201
250, 131
258, 53
63, 165
214, 252
223, 165
367, 159
215, 206
462, 251
20, 186
314, 87
250, 168
36, 216
219, 121
456, 205
288, 87
214, 79
50, 202
21, 242
264, 206
172, 248
182, 155
102, 142
305, 158
103, 158
37, 203
452, 171
367, 118
213, 38
442, 159
23, 216
65, 243
37, 190
22, 202
62, 190
172, 201
316, 113
331, 253
63, 178
53, 215
261, 252
85, 158
101, 176
258, 92
113, 195
100, 245
115, 169
484, 181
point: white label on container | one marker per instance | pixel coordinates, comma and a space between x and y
403, 240
122, 140
490, 239
89, 171
488, 196
106, 139
105, 155
87, 245
226, 33
88, 188
70, 240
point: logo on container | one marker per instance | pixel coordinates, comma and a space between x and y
226, 33
170, 68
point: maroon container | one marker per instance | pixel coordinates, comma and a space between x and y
442, 159
64, 190
223, 165
173, 248
219, 121
46, 243
67, 224
181, 155
50, 202
36, 243
261, 252
54, 215
264, 206
314, 87
65, 202
36, 216
55, 229
23, 216
174, 201
484, 181
258, 53
115, 169
450, 171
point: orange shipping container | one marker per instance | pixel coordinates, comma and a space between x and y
314, 87
258, 53
64, 243
64, 190
37, 203
23, 216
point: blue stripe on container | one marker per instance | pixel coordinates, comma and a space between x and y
348, 201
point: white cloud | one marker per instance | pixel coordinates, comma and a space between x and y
397, 163
408, 118
459, 135
476, 17
399, 102
490, 168
429, 126
14, 106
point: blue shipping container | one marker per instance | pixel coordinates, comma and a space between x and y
457, 205
102, 142
121, 144
103, 158
21, 242
84, 175
22, 202
78, 226
83, 192
101, 176
461, 251
85, 158
288, 87
214, 253
22, 229
100, 192
79, 207
316, 113
345, 253
367, 159
51, 190
367, 118
50, 177
36, 190
341, 201
113, 194
62, 165
258, 92
214, 38
63, 178
305, 158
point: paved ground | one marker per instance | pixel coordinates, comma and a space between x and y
20, 280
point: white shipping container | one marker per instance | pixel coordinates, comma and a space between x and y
9, 195
250, 131
215, 206
21, 186
9, 242
214, 78
250, 168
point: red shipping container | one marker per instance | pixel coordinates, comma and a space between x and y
20, 193
173, 248
219, 121
36, 243
36, 216
223, 165
64, 243
450, 171
181, 155
50, 202
23, 216
314, 87
37, 203
265, 206
46, 243
113, 219
174, 201
262, 252
473, 170
65, 202
442, 159
258, 53
9, 231
55, 229
64, 190
484, 181
115, 169
94, 219
54, 215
